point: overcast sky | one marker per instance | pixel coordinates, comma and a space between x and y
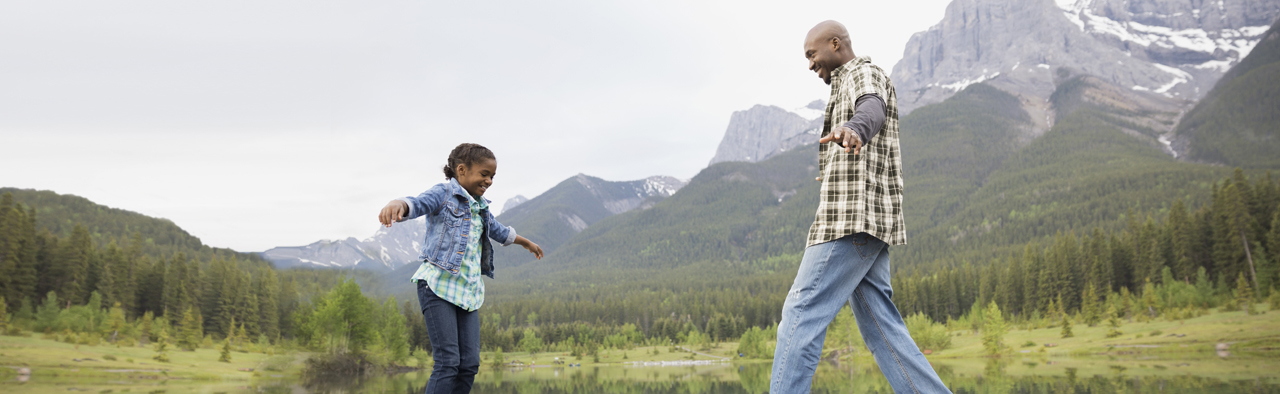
255, 124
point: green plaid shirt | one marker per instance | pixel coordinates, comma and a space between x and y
465, 289
860, 193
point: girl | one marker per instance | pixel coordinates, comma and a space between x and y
456, 253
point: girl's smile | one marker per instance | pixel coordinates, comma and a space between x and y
477, 178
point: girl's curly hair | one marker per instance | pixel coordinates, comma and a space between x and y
467, 154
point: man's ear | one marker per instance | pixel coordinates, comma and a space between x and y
835, 44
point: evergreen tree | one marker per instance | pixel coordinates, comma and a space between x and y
47, 314
1266, 269
191, 335
9, 245
1121, 261
1244, 295
1126, 303
993, 330
145, 327
115, 322
162, 344
226, 351
1066, 327
242, 337
1100, 270
24, 272
1273, 247
268, 293
1089, 309
1230, 232
1179, 226
4, 316
1032, 299
76, 262
417, 327
1113, 323
1149, 298
106, 283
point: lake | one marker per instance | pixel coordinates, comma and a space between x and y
1142, 373
1137, 374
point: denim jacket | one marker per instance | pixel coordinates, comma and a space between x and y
448, 225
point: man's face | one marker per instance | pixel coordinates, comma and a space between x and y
822, 56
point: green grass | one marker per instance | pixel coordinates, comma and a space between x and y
1198, 335
54, 367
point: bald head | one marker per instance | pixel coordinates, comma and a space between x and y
827, 30
827, 48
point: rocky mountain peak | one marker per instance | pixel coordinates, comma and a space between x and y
764, 131
1175, 49
513, 202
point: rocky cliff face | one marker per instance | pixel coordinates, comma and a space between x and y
764, 131
1175, 49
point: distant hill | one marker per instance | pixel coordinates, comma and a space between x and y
1238, 122
59, 213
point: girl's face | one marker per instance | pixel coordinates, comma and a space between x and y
477, 177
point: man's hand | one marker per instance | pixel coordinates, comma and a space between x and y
846, 137
530, 246
393, 212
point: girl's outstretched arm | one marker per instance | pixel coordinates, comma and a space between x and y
395, 211
530, 246
406, 208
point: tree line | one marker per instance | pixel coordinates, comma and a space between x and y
1205, 250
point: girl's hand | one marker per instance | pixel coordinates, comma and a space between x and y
393, 212
530, 246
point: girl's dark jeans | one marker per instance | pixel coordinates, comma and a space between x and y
455, 343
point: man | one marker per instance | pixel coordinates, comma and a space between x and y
846, 258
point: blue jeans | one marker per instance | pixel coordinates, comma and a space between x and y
854, 270
455, 343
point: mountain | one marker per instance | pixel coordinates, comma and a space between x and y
571, 206
764, 131
979, 184
513, 202
1237, 122
388, 248
1176, 49
59, 213
548, 219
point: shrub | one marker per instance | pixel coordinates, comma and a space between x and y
927, 333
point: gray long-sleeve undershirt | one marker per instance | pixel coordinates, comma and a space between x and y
868, 117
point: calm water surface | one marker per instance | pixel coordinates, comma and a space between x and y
1026, 375
1139, 374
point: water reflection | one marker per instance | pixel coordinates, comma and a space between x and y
963, 376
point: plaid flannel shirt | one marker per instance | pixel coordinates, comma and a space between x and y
465, 289
860, 193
